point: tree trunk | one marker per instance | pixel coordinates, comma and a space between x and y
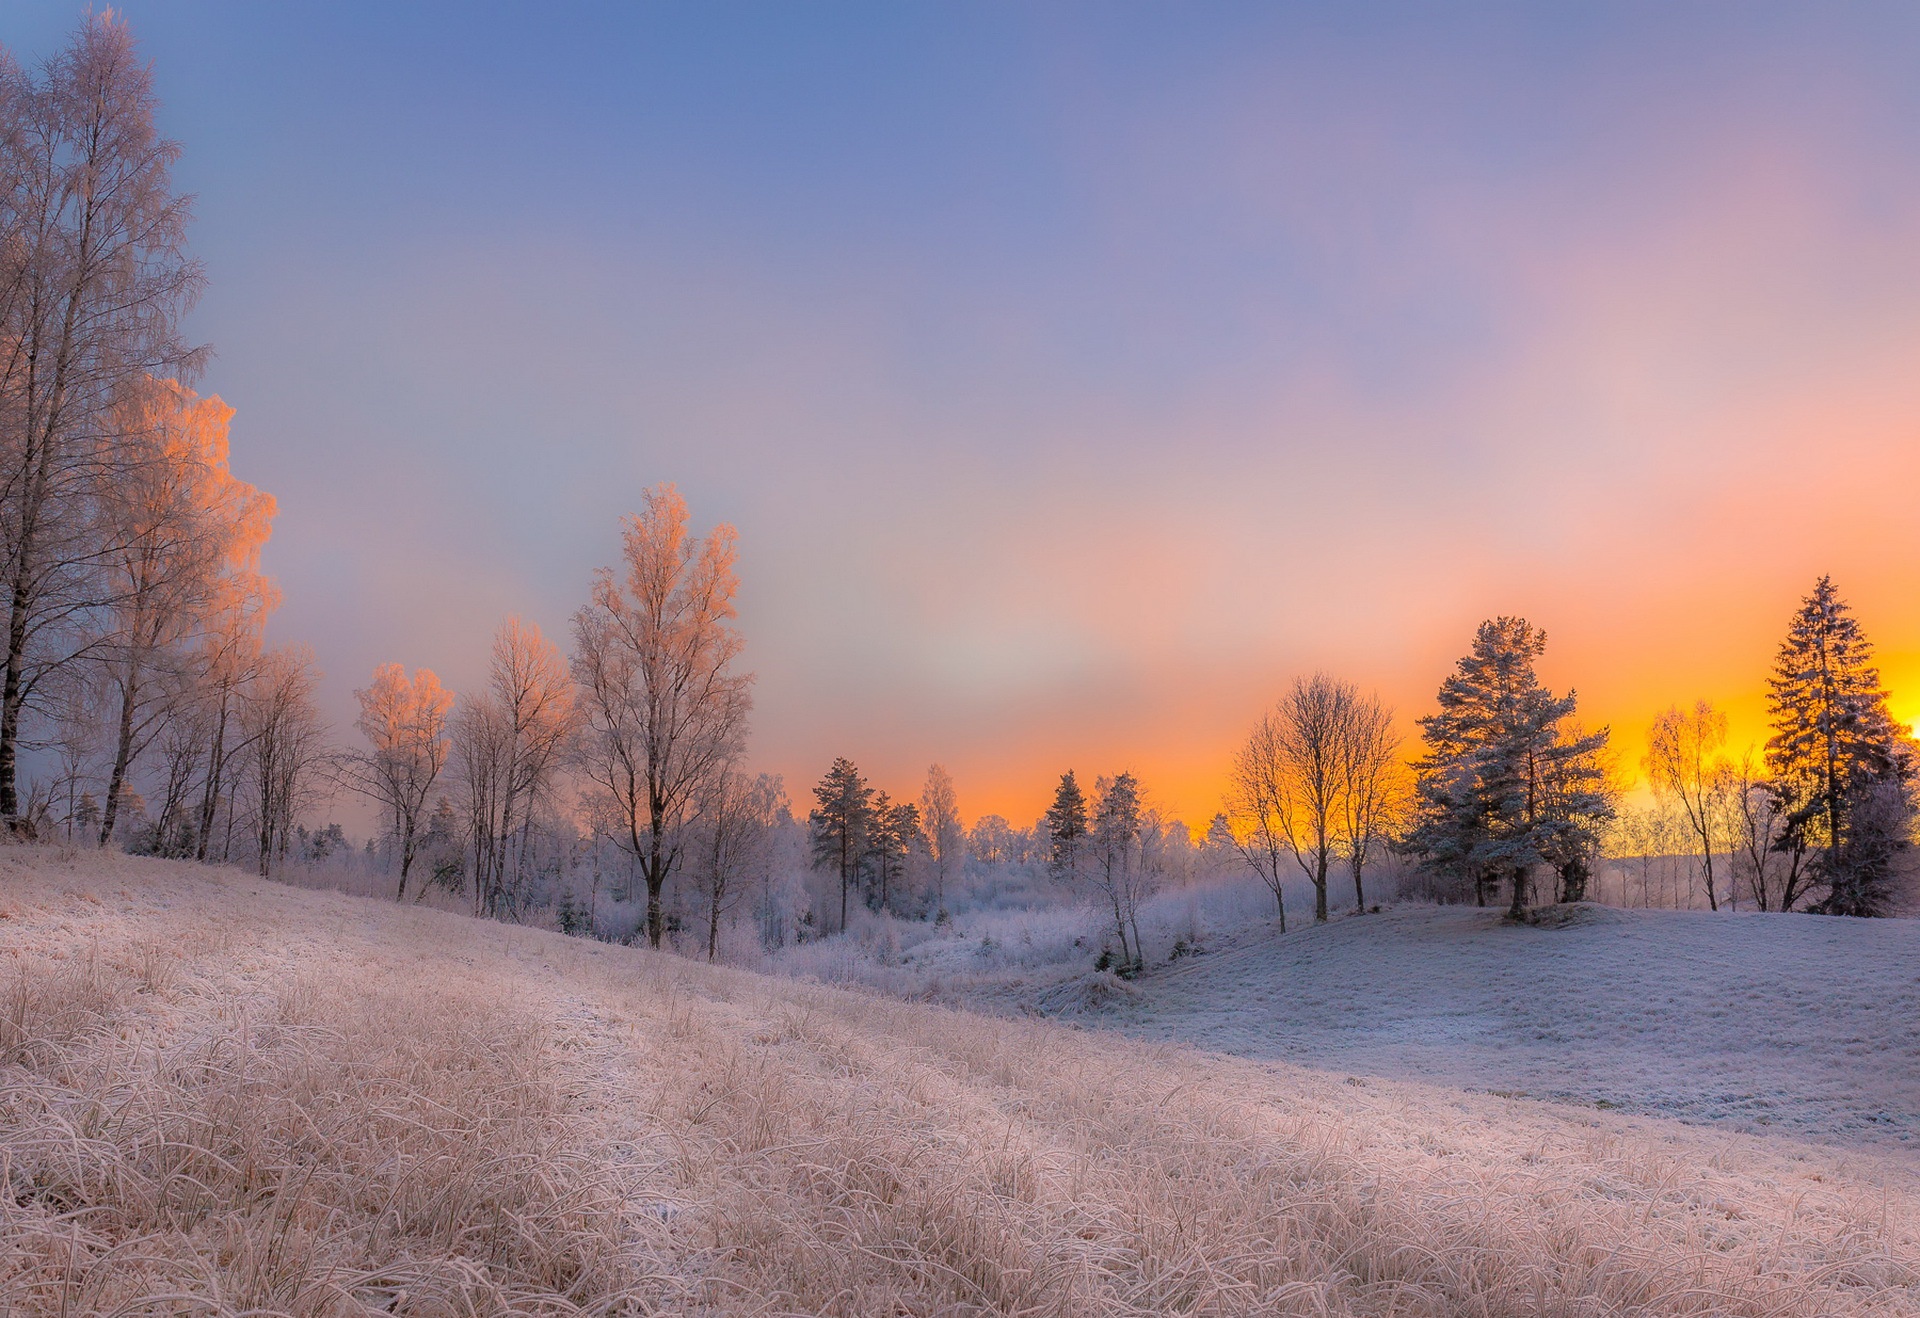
11, 699
1519, 907
122, 753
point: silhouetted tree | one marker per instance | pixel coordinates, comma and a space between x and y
840, 824
1839, 762
1066, 821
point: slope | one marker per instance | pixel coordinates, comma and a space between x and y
1803, 1025
219, 1096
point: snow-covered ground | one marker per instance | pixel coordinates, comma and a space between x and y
1802, 1025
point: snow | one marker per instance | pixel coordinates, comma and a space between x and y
1801, 1025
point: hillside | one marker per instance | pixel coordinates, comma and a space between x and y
1798, 1024
218, 1095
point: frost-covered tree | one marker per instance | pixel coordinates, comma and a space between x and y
1114, 864
181, 533
1685, 765
946, 835
735, 828
404, 720
94, 281
285, 740
666, 709
1500, 790
991, 840
1839, 761
508, 742
840, 824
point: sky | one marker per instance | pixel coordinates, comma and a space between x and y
1076, 376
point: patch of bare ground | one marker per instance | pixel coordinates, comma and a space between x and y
218, 1096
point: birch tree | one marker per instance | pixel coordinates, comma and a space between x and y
1684, 764
182, 532
405, 723
94, 279
666, 710
946, 836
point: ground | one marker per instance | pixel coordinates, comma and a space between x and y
1805, 1025
222, 1096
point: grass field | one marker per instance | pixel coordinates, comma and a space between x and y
222, 1096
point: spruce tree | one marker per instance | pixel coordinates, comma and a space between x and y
840, 825
1066, 822
1507, 783
1839, 761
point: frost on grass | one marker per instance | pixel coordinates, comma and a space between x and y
217, 1096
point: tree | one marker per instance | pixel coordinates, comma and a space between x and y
1066, 821
285, 740
840, 825
1371, 784
181, 532
737, 817
1684, 764
405, 723
654, 653
1837, 758
1292, 776
1773, 874
991, 840
1114, 863
1254, 807
507, 744
94, 280
946, 835
1497, 792
893, 837
1580, 798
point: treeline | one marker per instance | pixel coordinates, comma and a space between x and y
1510, 794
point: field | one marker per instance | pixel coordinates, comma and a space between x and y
1800, 1025
223, 1096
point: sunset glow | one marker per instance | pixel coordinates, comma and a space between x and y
1073, 385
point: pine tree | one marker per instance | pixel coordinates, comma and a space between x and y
1507, 783
840, 825
1066, 824
1837, 757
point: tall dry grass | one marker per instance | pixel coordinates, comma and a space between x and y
217, 1097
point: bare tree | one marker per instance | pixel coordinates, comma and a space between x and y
405, 723
507, 744
946, 837
286, 749
1372, 789
738, 816
1291, 771
1684, 764
93, 282
653, 653
1253, 810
